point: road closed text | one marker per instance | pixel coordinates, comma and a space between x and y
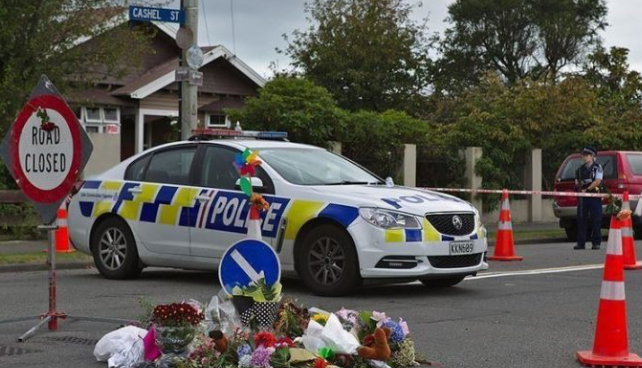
45, 162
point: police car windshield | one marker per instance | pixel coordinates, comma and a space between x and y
303, 166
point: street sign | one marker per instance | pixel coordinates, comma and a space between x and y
195, 78
194, 57
182, 74
146, 14
246, 261
46, 149
184, 38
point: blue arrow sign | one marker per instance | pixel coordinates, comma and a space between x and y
246, 261
145, 14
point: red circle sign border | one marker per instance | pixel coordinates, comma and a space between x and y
58, 104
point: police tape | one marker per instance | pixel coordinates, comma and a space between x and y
529, 192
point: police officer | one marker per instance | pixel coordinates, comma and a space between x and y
588, 179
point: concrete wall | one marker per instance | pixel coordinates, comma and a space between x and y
106, 153
520, 212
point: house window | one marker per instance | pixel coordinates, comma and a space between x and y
100, 119
111, 114
92, 114
218, 120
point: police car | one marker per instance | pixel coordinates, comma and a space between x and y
332, 222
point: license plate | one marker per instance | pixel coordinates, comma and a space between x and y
461, 247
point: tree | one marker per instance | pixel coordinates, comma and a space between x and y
368, 53
619, 92
609, 74
41, 37
516, 38
307, 112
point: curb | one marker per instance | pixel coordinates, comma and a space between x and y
28, 267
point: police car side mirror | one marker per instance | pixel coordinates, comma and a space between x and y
389, 182
257, 183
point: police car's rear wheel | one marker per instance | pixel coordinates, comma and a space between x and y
114, 250
328, 262
442, 282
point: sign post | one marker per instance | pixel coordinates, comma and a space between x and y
45, 151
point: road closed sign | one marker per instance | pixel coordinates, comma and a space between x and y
46, 149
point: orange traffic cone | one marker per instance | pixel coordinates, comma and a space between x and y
62, 234
254, 224
611, 344
628, 246
504, 244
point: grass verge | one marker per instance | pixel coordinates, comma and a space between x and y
24, 258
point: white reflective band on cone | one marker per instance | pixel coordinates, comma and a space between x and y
614, 246
627, 232
505, 226
506, 205
254, 229
612, 290
62, 222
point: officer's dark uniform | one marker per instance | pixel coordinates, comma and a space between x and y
585, 175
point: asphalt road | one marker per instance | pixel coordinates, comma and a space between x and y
504, 318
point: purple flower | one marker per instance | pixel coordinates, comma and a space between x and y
404, 327
396, 335
261, 357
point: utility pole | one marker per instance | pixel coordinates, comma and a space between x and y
189, 92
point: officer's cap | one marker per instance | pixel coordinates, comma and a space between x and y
589, 151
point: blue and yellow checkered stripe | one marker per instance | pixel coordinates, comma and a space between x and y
154, 203
302, 211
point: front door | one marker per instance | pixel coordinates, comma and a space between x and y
222, 220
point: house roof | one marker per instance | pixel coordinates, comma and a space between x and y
151, 75
97, 96
164, 74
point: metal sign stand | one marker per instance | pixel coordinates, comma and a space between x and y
53, 314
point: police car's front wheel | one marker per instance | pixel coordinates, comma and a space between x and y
114, 250
328, 261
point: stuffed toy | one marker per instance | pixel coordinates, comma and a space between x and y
379, 349
220, 341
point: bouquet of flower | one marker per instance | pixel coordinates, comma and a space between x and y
176, 315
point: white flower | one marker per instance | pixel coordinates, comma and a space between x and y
245, 361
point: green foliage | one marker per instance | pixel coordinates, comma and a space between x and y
515, 38
368, 53
40, 37
376, 140
306, 111
309, 115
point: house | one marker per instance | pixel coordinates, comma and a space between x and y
127, 114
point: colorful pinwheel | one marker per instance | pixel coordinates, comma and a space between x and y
246, 164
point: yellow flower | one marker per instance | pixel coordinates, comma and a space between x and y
320, 318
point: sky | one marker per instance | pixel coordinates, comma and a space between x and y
259, 26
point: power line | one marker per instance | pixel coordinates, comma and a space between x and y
207, 27
233, 28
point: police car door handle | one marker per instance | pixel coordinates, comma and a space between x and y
203, 198
135, 190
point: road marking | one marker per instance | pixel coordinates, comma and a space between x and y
246, 266
488, 275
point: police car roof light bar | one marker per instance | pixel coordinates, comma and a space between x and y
208, 133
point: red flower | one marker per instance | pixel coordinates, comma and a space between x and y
320, 363
264, 339
283, 342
